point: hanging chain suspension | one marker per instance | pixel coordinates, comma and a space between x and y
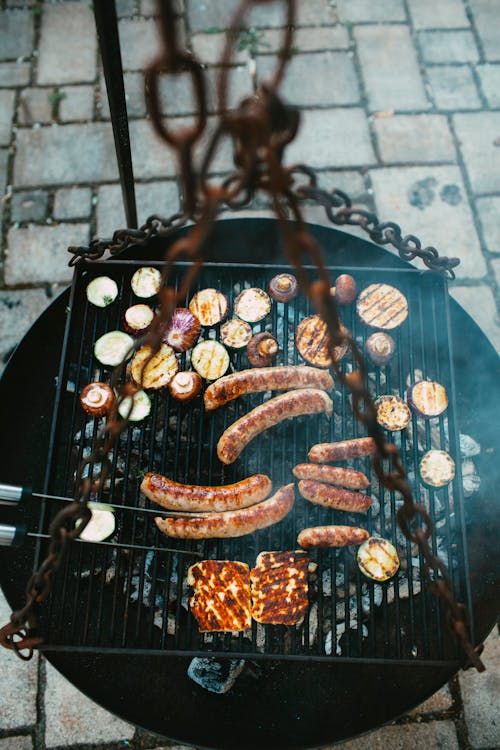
260, 129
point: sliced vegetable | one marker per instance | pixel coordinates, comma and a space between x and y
141, 406
100, 526
427, 398
210, 306
146, 282
185, 386
262, 349
312, 342
235, 333
283, 287
382, 306
154, 371
113, 348
96, 399
102, 291
437, 468
210, 359
345, 290
183, 331
392, 413
380, 347
137, 319
252, 305
378, 559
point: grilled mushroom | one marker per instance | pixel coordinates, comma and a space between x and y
380, 347
283, 287
185, 386
392, 413
345, 290
210, 306
210, 359
262, 349
137, 319
313, 343
183, 331
102, 291
235, 333
378, 559
96, 399
146, 282
252, 305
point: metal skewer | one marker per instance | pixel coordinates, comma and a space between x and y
120, 545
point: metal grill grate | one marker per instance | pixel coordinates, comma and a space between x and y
108, 597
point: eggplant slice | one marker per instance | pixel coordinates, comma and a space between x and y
378, 559
312, 342
252, 305
210, 307
437, 468
137, 319
155, 371
427, 398
392, 413
235, 333
146, 282
382, 306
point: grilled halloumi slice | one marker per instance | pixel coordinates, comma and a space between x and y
280, 588
382, 306
221, 598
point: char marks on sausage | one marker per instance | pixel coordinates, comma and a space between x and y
331, 536
356, 448
334, 497
353, 480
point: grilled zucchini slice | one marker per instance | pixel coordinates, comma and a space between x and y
146, 282
437, 468
382, 306
235, 333
378, 559
140, 409
252, 305
210, 307
210, 359
112, 348
428, 398
102, 291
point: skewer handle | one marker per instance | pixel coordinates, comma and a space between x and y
13, 494
10, 535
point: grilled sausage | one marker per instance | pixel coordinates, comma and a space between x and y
234, 523
292, 404
331, 536
189, 497
260, 379
334, 497
355, 448
354, 480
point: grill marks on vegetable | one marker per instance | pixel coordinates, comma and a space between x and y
382, 306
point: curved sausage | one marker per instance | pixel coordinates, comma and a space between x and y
260, 379
354, 480
334, 497
323, 452
331, 536
234, 523
277, 409
191, 497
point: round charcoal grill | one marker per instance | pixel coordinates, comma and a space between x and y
292, 696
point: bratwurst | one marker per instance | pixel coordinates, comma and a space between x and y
353, 480
323, 452
192, 498
260, 379
334, 497
234, 523
277, 409
331, 536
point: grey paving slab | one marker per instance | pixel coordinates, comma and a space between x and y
495, 264
7, 99
18, 702
17, 32
38, 254
333, 138
65, 154
73, 718
154, 198
489, 76
34, 106
139, 39
414, 138
440, 701
60, 59
453, 87
125, 8
4, 157
78, 103
485, 15
17, 743
316, 13
72, 203
431, 202
390, 68
488, 209
151, 156
436, 735
479, 302
367, 10
445, 14
477, 133
349, 181
209, 48
481, 696
448, 46
29, 205
14, 74
204, 14
308, 39
316, 79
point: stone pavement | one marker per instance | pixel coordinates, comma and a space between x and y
401, 109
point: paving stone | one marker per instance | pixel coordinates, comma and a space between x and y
436, 735
331, 79
496, 270
149, 7
446, 14
486, 20
38, 254
453, 87
140, 40
4, 158
479, 302
151, 156
440, 701
78, 103
367, 10
349, 181
333, 138
64, 155
30, 205
431, 202
448, 46
206, 14
209, 48
125, 8
488, 209
73, 718
154, 198
72, 203
7, 99
313, 13
61, 60
16, 34
390, 68
414, 138
17, 743
18, 702
309, 39
490, 83
477, 133
34, 106
14, 74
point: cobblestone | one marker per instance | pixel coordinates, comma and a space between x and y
208, 48
16, 34
390, 68
490, 83
4, 156
62, 24
486, 316
448, 46
14, 74
16, 743
453, 87
477, 133
488, 209
355, 11
139, 41
155, 198
486, 19
309, 40
29, 205
414, 138
72, 203
433, 736
445, 14
440, 701
482, 698
7, 99
77, 104
34, 106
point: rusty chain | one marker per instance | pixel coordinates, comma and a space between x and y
260, 129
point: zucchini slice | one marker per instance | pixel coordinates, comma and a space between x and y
378, 559
146, 282
252, 305
158, 371
102, 291
437, 468
210, 307
392, 413
428, 398
140, 409
210, 359
113, 347
100, 526
235, 333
